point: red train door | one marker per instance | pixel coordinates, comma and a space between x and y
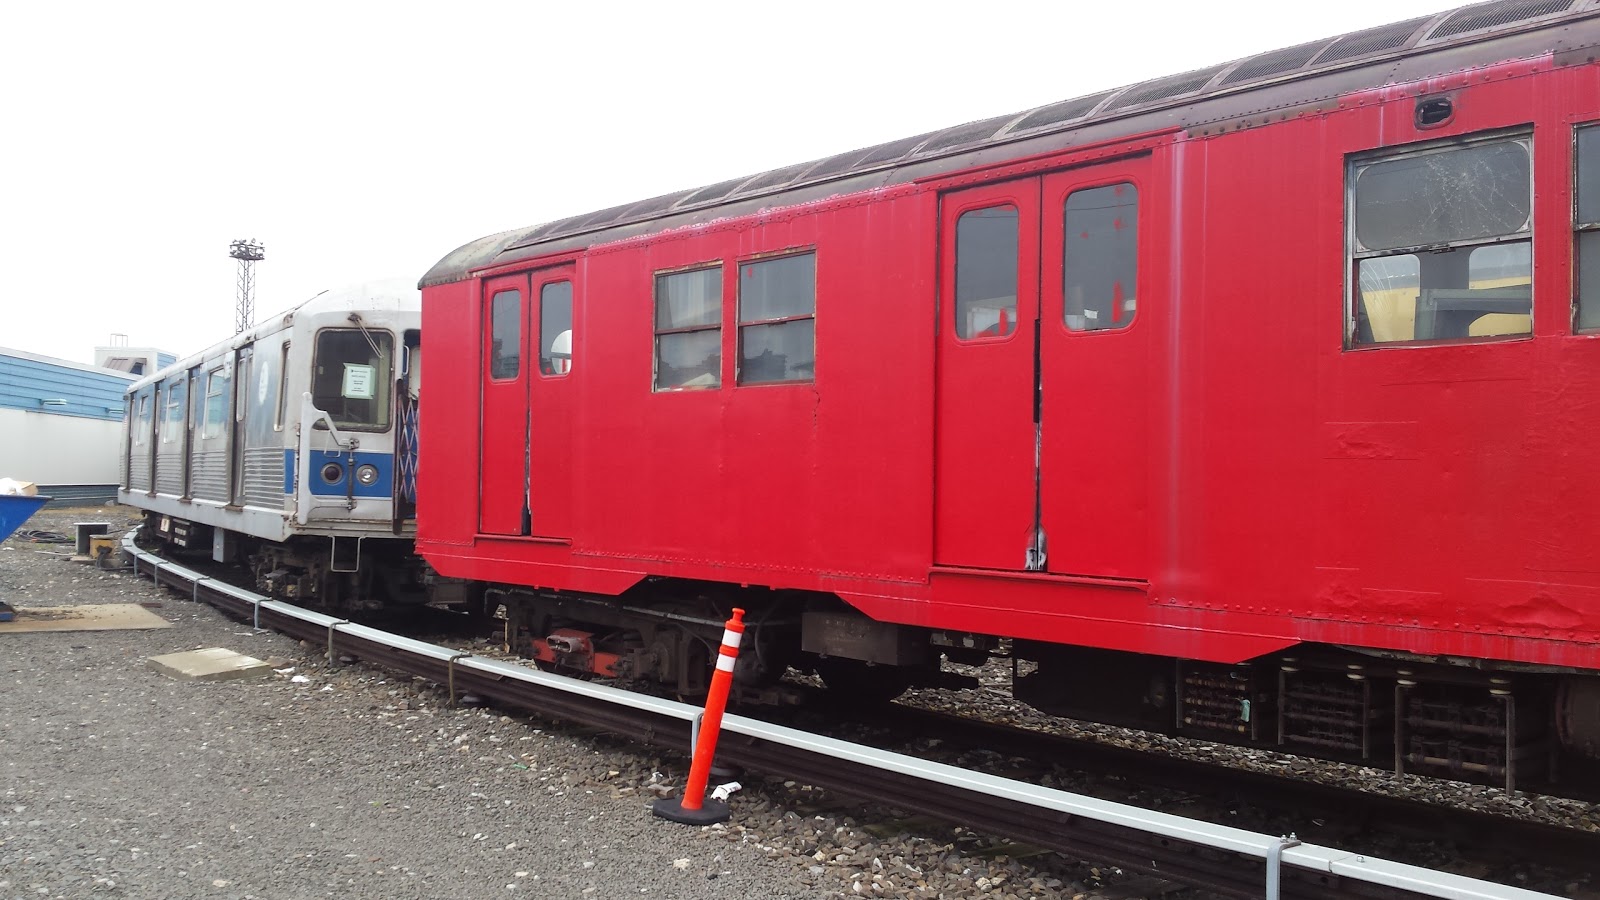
985, 497
1094, 364
1040, 417
550, 389
503, 491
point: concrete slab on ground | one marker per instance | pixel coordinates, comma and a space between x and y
97, 617
210, 664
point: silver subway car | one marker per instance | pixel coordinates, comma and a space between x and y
292, 447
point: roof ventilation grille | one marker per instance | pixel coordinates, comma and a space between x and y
1065, 111
1373, 40
1166, 88
970, 133
1493, 15
1275, 63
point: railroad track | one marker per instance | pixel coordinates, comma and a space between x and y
1223, 860
1483, 834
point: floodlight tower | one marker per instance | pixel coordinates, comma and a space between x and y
248, 253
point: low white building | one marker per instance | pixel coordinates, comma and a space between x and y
61, 425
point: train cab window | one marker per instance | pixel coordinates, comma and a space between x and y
352, 378
688, 329
1100, 257
555, 328
986, 273
172, 423
777, 319
1586, 224
215, 416
505, 334
1441, 243
283, 387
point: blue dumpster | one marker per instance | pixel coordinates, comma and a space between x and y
15, 510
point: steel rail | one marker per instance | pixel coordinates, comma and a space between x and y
1218, 858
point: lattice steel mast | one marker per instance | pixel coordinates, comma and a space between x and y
248, 253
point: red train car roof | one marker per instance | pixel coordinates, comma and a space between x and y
1480, 34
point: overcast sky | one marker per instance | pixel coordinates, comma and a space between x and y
366, 140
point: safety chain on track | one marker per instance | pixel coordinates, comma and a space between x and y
1217, 858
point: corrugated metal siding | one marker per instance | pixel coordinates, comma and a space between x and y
210, 476
79, 494
139, 477
169, 469
263, 477
26, 381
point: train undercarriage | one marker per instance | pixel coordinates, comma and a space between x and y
1456, 719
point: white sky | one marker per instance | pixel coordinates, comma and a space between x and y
366, 140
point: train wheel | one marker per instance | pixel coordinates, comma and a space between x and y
853, 682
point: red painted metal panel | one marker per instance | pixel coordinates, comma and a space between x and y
984, 441
448, 457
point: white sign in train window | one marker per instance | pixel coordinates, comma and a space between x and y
358, 381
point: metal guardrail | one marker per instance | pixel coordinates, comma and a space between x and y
1215, 857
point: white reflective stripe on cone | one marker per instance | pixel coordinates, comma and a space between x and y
732, 638
725, 663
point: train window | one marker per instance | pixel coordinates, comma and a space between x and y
283, 388
505, 334
141, 428
555, 328
689, 329
172, 422
215, 417
777, 319
986, 273
1100, 257
1586, 223
1441, 243
352, 378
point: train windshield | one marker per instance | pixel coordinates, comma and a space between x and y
353, 378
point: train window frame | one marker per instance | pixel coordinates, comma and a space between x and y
213, 420
496, 359
1432, 306
1586, 228
380, 380
177, 398
141, 420
553, 363
712, 327
746, 325
283, 388
1086, 321
963, 305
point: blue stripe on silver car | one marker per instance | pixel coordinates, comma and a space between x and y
331, 469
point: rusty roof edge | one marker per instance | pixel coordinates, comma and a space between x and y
1416, 43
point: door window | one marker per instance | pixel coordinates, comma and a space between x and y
555, 328
505, 335
986, 273
1100, 257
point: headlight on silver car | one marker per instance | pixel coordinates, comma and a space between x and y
367, 475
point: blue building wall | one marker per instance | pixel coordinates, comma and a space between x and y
34, 384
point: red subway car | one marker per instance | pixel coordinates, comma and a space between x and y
1254, 403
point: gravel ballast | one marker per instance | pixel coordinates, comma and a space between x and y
343, 781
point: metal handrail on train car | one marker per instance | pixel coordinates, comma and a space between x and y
1060, 820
